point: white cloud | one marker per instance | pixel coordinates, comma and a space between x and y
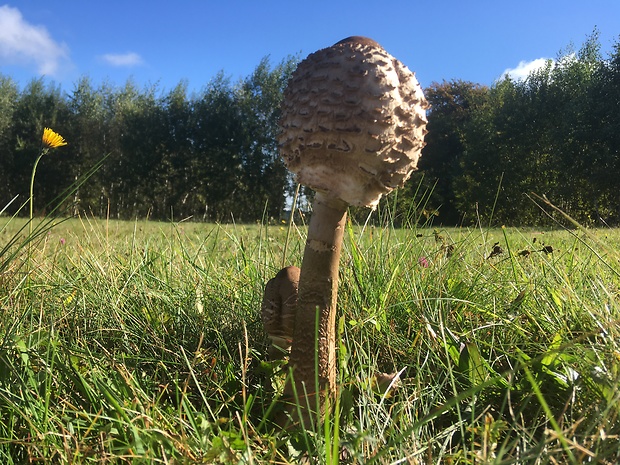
24, 43
524, 69
123, 59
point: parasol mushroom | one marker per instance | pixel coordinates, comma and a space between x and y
353, 124
278, 310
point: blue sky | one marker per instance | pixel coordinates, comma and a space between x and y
164, 42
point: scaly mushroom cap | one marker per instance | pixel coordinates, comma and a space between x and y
353, 122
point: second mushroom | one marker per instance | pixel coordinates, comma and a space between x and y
353, 125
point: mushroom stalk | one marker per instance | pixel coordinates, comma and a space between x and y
315, 321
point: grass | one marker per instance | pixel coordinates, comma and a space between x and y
141, 342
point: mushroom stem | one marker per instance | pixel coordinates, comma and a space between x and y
314, 359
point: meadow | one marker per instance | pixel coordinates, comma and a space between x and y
141, 342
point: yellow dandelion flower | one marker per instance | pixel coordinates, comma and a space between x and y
52, 139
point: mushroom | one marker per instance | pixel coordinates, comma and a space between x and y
353, 124
278, 310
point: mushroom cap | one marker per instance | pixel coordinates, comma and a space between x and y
353, 122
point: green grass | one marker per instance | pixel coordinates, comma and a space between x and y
141, 343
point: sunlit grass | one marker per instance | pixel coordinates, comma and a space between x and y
141, 342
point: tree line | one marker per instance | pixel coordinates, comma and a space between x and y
212, 155
493, 151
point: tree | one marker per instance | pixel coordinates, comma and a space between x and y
453, 105
605, 118
9, 94
174, 170
87, 131
266, 178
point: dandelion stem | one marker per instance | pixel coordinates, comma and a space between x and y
31, 200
